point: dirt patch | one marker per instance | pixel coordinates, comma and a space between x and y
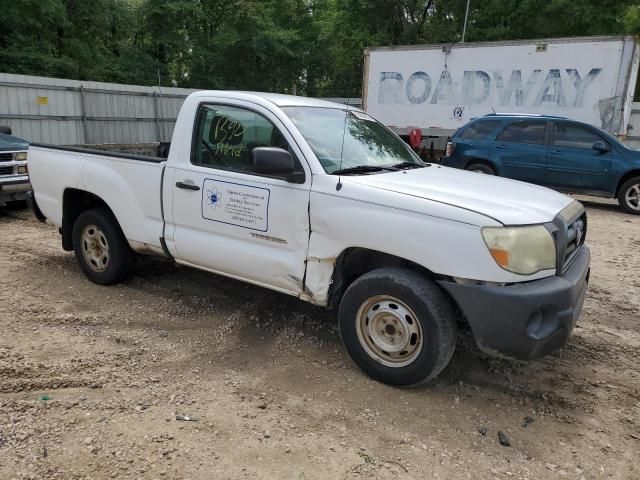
92, 379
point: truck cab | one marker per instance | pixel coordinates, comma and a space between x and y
14, 178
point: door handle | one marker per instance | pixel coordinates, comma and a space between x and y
557, 152
501, 146
187, 186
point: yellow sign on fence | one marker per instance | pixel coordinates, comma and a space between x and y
43, 101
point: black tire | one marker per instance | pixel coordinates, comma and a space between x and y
17, 205
426, 301
631, 186
119, 260
481, 168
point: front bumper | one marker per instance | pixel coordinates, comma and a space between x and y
528, 320
14, 188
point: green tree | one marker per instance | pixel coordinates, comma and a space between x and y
632, 19
312, 47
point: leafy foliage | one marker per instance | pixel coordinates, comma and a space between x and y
312, 47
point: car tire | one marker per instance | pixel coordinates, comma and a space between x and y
398, 326
629, 196
481, 168
17, 204
101, 248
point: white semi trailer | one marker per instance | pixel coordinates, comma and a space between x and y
438, 88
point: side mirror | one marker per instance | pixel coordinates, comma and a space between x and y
4, 129
272, 161
600, 147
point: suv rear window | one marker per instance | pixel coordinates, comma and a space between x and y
478, 130
526, 131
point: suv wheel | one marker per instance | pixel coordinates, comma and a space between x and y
629, 196
481, 168
398, 326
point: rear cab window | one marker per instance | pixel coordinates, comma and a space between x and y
524, 131
478, 130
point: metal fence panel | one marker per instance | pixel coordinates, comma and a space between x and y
71, 112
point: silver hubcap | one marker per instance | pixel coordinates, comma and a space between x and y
632, 197
389, 331
95, 248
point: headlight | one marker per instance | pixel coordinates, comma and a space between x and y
522, 250
21, 156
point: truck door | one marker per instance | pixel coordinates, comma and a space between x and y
230, 220
521, 150
573, 163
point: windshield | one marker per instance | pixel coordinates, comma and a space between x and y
367, 143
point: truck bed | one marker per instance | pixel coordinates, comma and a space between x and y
130, 184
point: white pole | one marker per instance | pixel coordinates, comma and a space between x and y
466, 16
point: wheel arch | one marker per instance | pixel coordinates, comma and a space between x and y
74, 202
626, 177
483, 161
353, 262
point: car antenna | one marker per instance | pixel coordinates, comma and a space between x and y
344, 132
494, 110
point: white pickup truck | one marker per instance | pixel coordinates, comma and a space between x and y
320, 201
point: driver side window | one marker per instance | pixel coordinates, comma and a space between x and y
573, 136
225, 136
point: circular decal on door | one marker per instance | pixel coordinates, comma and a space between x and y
213, 198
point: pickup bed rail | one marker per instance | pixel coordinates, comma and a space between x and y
104, 153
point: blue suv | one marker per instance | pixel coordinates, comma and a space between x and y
555, 152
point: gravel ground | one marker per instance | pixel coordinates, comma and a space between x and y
92, 379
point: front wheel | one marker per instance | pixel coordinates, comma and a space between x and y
398, 326
101, 248
629, 196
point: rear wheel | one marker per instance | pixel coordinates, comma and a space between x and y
398, 326
629, 196
481, 168
101, 248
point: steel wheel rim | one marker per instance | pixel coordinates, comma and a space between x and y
95, 248
632, 197
389, 331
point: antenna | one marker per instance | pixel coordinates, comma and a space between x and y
159, 109
494, 110
344, 133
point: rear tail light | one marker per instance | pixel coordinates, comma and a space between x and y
450, 149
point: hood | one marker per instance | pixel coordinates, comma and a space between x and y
9, 142
508, 201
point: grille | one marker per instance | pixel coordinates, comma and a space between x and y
576, 233
569, 230
6, 170
6, 157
